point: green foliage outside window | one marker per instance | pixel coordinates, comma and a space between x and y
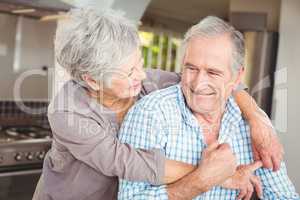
151, 42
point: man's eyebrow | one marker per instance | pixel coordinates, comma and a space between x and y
190, 64
208, 69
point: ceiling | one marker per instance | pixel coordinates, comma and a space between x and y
174, 15
41, 7
177, 15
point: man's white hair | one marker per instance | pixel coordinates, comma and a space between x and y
212, 26
94, 43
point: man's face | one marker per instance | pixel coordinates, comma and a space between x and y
207, 78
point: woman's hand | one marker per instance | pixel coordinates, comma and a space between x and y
265, 143
245, 181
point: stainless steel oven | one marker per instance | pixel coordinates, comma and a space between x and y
18, 185
22, 151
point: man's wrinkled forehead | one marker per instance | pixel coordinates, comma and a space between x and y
209, 51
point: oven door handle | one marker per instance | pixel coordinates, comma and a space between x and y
20, 173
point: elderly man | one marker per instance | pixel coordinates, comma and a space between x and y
191, 117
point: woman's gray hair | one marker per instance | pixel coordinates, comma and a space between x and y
94, 42
213, 26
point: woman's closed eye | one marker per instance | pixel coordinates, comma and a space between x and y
130, 73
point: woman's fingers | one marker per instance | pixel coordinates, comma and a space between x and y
255, 153
256, 182
249, 192
254, 166
242, 194
276, 162
266, 159
246, 192
248, 181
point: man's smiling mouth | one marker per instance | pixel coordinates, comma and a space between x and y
203, 92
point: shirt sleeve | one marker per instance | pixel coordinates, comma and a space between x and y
94, 144
148, 134
277, 185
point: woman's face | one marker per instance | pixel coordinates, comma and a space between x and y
126, 81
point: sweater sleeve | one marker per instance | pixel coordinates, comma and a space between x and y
94, 144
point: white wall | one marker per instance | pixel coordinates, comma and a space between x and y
35, 44
7, 29
35, 87
271, 7
286, 108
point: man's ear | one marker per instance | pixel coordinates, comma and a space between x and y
239, 76
90, 82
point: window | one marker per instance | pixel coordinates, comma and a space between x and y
160, 49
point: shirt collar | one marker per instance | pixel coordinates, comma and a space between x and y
187, 114
230, 121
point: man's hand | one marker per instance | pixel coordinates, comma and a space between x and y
245, 181
217, 164
265, 143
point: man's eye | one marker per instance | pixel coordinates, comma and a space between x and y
213, 73
191, 68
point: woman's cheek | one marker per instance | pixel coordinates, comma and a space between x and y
123, 89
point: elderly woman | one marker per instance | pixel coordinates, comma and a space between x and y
101, 53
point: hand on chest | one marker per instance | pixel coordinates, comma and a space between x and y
187, 143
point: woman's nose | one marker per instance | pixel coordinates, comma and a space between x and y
141, 75
140, 72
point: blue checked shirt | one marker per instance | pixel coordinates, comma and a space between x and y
163, 120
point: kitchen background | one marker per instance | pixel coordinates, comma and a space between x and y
27, 28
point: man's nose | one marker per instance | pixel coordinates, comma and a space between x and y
201, 80
201, 77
